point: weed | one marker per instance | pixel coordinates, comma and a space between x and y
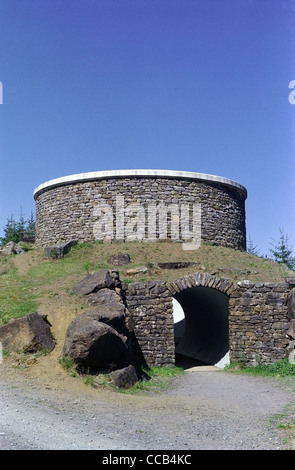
89, 380
68, 365
154, 380
281, 368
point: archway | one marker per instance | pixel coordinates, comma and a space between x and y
202, 331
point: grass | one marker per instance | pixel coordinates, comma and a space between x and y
17, 297
281, 368
29, 280
153, 380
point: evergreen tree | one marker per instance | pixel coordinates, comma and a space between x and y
282, 251
30, 226
13, 229
10, 231
251, 248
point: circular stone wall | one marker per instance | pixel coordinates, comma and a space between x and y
141, 205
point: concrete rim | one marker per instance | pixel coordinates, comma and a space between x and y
94, 175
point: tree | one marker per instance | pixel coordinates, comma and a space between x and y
251, 248
13, 229
282, 251
10, 231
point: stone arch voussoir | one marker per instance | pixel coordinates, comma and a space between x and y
198, 279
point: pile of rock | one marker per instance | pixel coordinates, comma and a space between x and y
12, 248
99, 337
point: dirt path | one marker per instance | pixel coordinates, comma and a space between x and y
206, 409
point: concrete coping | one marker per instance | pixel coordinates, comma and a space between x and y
95, 175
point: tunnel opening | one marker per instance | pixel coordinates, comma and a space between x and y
201, 327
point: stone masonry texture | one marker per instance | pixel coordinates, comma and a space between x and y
71, 210
258, 317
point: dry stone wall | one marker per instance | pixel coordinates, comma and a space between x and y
259, 317
76, 210
258, 322
151, 318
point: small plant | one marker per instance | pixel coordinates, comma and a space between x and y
154, 380
68, 365
89, 380
86, 266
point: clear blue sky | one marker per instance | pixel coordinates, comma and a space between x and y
192, 85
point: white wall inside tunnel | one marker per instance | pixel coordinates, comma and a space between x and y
201, 325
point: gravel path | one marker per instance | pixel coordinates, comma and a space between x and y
205, 409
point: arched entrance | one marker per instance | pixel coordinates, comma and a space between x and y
201, 324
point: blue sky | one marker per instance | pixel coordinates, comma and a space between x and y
191, 85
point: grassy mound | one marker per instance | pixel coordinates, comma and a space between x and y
29, 282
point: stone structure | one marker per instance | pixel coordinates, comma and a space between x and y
250, 320
255, 330
141, 205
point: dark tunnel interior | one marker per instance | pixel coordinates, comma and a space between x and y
203, 333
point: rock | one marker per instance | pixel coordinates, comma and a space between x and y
119, 259
291, 330
92, 343
8, 249
58, 251
93, 282
116, 278
12, 248
245, 283
176, 264
125, 377
140, 269
291, 304
112, 313
18, 249
104, 296
291, 281
27, 237
27, 334
291, 357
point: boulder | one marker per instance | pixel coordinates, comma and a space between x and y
13, 248
176, 264
94, 344
291, 330
104, 296
93, 282
140, 269
8, 249
111, 313
58, 251
125, 377
119, 259
28, 334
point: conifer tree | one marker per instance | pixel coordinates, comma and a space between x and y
282, 251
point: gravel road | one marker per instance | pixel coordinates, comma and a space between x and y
205, 409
